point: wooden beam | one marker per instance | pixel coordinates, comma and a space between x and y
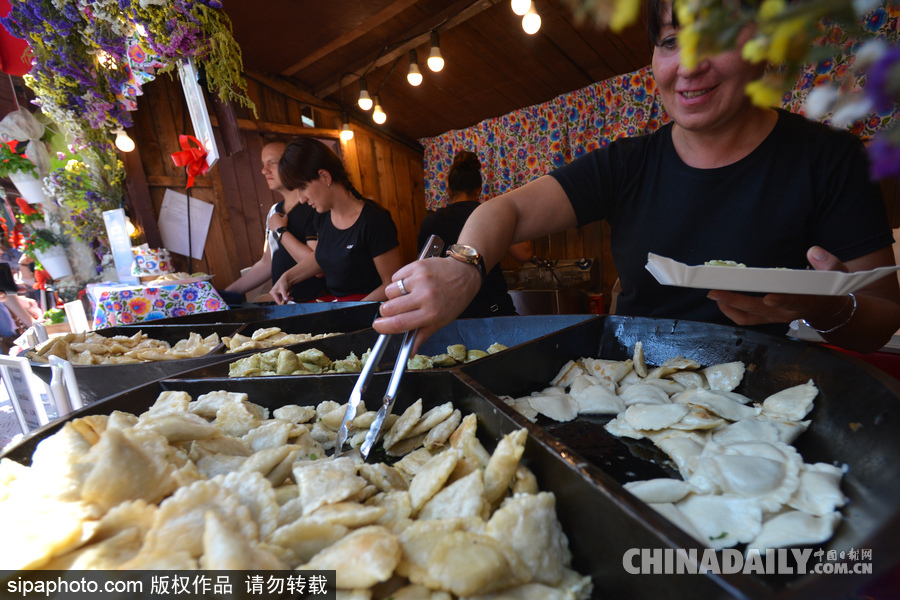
284, 128
392, 10
138, 193
177, 182
458, 13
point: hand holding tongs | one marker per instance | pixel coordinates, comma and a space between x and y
432, 248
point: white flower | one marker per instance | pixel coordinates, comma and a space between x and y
820, 101
869, 53
852, 111
862, 7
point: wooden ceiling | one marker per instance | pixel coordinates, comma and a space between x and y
492, 66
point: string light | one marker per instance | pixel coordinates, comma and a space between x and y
435, 60
123, 142
414, 77
378, 114
365, 101
346, 132
520, 7
531, 22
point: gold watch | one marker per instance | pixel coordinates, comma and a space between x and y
468, 255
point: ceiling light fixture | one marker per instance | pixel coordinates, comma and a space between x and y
520, 7
435, 60
531, 22
346, 132
365, 102
414, 77
378, 114
123, 142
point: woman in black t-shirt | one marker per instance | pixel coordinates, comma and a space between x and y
464, 183
357, 249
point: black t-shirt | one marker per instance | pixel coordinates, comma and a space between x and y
493, 299
346, 256
806, 184
302, 225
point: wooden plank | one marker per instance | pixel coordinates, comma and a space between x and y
406, 223
363, 28
453, 15
229, 134
275, 105
368, 174
294, 112
387, 189
178, 181
258, 198
350, 156
225, 276
139, 200
282, 128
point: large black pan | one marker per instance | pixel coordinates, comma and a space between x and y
855, 422
101, 381
254, 313
598, 526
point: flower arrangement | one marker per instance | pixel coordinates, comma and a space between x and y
784, 36
12, 161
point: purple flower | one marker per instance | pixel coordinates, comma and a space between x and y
879, 86
884, 158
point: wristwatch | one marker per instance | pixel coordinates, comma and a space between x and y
468, 255
279, 233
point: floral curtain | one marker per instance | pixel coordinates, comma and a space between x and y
529, 142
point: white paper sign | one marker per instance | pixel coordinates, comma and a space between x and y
24, 393
120, 244
173, 224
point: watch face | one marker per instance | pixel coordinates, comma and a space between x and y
466, 251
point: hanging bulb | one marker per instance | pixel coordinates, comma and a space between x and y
531, 22
123, 142
414, 77
365, 102
435, 60
346, 132
378, 114
520, 7
130, 229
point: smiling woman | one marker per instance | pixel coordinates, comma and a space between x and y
727, 178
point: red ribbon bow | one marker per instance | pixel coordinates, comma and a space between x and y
193, 159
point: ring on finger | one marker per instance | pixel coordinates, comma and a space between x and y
402, 288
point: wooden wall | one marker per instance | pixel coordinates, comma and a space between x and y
382, 169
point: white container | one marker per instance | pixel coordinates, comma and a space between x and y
55, 262
30, 187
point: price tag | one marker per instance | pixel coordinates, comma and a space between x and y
23, 393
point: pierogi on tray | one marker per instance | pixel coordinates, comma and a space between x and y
217, 482
742, 481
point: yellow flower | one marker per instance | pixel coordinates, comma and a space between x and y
624, 14
688, 38
755, 50
786, 36
685, 12
771, 9
763, 94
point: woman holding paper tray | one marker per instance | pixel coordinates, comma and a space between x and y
727, 180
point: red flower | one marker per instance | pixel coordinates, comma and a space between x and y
41, 278
25, 207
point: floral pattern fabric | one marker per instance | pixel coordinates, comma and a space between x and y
118, 305
529, 142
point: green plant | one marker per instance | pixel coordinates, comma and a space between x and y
55, 315
42, 240
13, 162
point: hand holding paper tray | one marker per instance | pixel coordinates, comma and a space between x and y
769, 281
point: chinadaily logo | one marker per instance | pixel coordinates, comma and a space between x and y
780, 561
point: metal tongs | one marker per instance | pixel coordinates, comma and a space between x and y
433, 247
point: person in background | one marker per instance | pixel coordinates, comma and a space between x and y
290, 237
357, 250
726, 180
464, 183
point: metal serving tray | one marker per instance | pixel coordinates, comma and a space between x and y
473, 333
250, 314
855, 422
101, 381
598, 526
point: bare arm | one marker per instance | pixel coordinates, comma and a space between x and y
866, 329
258, 274
441, 288
387, 264
302, 271
522, 252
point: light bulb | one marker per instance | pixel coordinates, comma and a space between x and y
531, 22
435, 60
378, 114
123, 142
414, 77
129, 227
520, 7
346, 132
365, 102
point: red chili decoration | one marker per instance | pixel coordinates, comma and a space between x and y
41, 278
193, 159
25, 207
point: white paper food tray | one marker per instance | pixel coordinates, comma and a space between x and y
769, 281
